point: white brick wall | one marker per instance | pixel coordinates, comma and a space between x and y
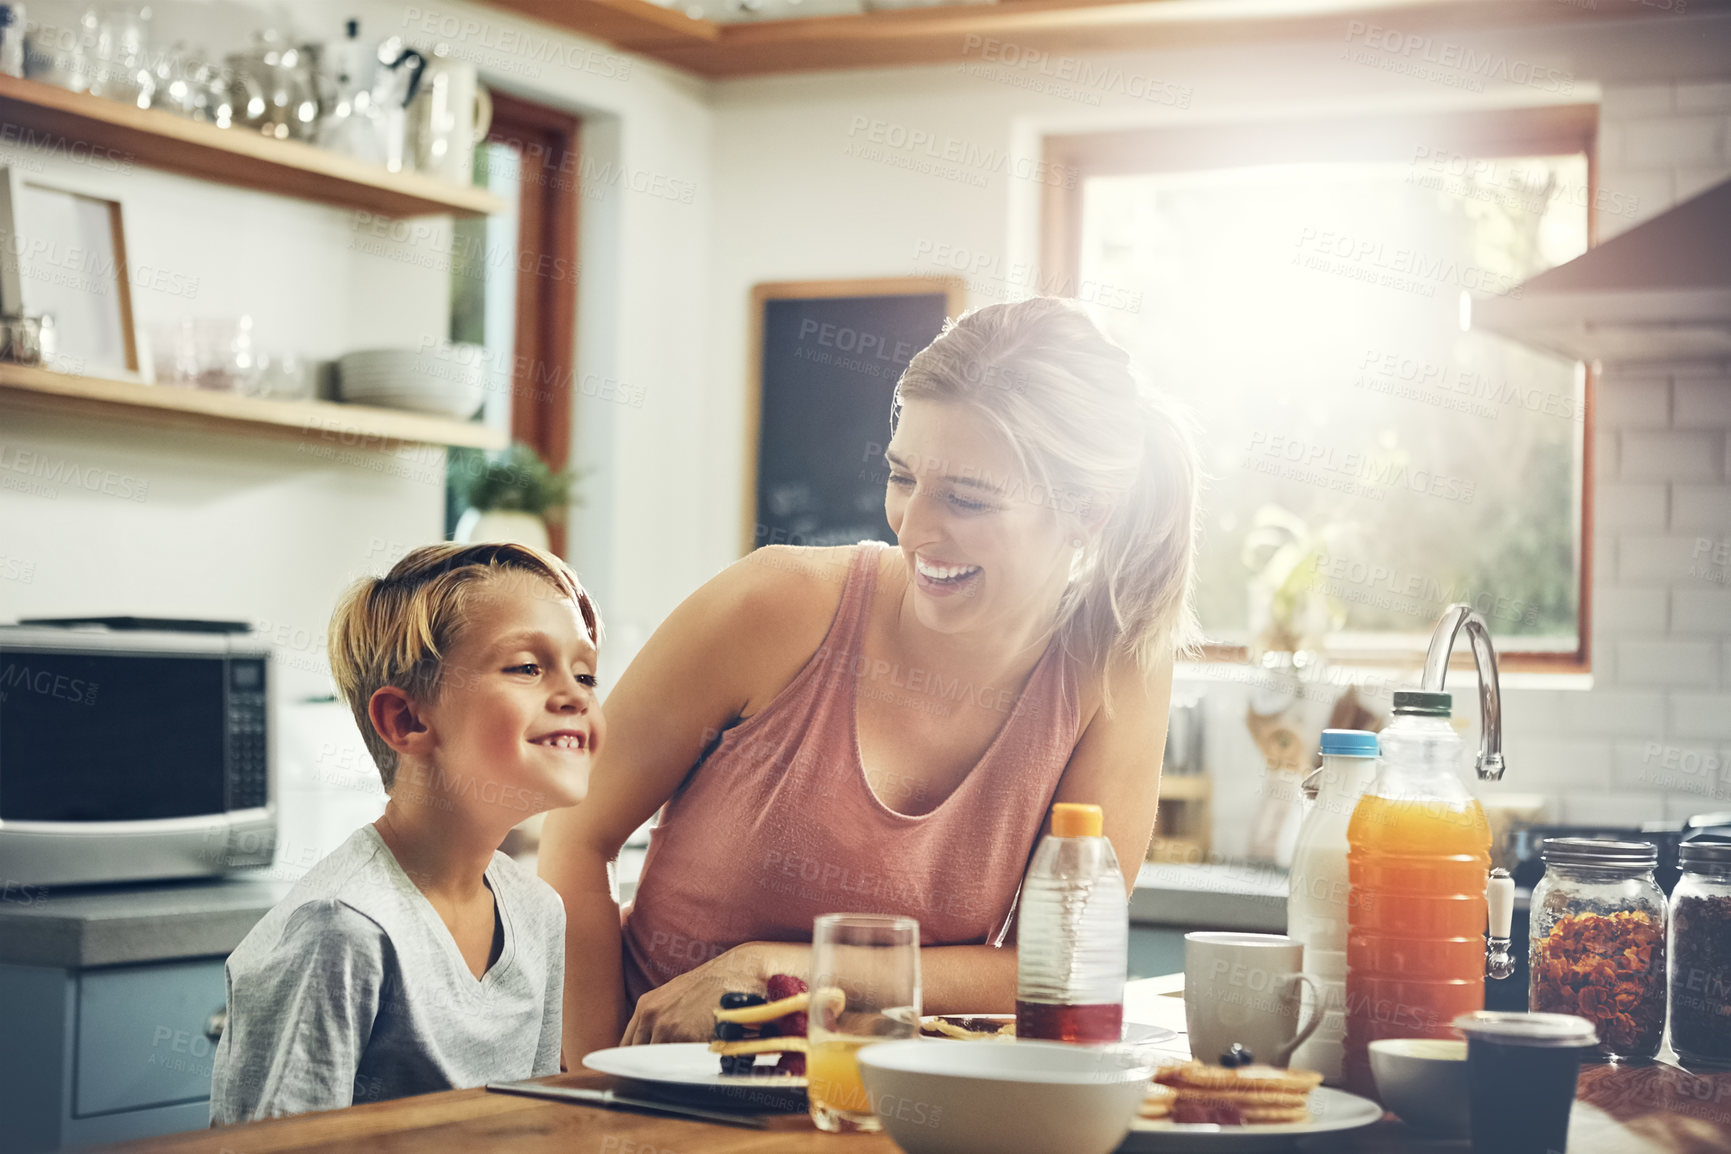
1660, 707
1660, 143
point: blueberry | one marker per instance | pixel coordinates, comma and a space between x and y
1236, 1056
738, 1000
729, 1031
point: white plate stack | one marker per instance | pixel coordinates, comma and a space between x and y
447, 380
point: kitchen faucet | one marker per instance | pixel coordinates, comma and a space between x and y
1436, 668
1500, 961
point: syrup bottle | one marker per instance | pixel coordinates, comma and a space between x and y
1073, 934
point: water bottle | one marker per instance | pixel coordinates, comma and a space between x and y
1073, 934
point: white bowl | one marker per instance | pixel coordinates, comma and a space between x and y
446, 380
1424, 1081
943, 1097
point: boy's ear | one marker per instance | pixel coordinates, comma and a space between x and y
397, 718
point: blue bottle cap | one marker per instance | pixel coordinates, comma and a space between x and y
1348, 743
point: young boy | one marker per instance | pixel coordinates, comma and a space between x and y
416, 957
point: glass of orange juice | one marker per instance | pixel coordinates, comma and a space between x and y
865, 988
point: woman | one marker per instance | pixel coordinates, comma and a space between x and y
884, 729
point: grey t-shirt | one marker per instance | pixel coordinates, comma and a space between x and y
352, 990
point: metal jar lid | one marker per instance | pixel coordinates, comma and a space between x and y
1586, 851
1705, 850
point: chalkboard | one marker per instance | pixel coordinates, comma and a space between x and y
827, 360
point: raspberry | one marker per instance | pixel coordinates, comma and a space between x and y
785, 986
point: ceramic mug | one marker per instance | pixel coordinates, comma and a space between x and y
448, 117
1245, 988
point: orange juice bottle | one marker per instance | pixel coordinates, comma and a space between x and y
1417, 863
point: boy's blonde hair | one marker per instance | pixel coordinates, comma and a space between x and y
397, 629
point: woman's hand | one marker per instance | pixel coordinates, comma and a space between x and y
683, 1008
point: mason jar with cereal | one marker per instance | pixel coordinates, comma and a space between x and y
1598, 942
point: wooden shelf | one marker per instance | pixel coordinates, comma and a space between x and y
237, 156
344, 427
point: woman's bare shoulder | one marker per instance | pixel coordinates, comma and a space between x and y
778, 602
785, 584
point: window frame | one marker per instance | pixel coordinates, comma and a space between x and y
546, 320
1548, 130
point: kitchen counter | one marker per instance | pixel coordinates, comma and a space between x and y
123, 925
1217, 896
1647, 1108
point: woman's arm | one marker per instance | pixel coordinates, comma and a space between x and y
953, 980
1116, 765
716, 658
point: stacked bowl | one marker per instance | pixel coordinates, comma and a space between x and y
448, 380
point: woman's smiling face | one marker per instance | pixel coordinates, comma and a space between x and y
979, 550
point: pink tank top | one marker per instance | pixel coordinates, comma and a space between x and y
777, 823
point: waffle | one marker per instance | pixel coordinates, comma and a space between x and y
1230, 1096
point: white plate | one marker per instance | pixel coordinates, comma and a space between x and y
693, 1065
1330, 1111
687, 1064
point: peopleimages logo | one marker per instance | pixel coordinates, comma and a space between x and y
912, 143
1070, 77
1407, 269
1462, 67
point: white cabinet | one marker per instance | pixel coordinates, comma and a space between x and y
106, 1054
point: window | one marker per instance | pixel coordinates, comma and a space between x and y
1370, 459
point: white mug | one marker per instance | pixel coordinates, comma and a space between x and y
449, 116
1244, 989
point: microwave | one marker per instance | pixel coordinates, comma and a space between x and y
129, 754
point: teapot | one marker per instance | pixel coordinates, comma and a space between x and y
363, 90
286, 105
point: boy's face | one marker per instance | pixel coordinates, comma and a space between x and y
517, 712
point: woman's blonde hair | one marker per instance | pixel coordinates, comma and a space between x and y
398, 629
1095, 445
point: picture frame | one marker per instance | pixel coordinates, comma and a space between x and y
63, 254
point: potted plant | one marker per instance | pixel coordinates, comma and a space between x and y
510, 497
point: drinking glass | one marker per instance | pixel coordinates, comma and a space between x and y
865, 988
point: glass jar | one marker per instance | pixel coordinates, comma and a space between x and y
1701, 952
1597, 946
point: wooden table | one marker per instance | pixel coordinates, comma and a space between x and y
1652, 1109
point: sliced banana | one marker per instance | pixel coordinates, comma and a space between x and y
760, 1046
768, 1012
